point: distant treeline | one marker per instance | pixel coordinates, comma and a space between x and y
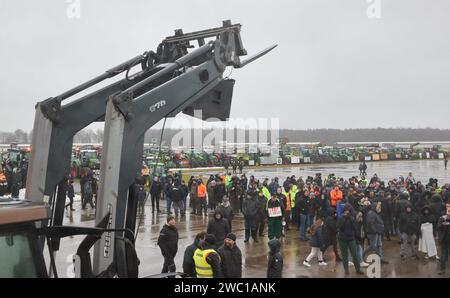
325, 136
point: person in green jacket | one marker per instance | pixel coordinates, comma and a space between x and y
275, 212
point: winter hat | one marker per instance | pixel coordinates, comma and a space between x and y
210, 238
231, 236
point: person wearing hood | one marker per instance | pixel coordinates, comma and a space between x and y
207, 259
168, 243
261, 217
329, 232
218, 226
427, 243
273, 185
250, 209
409, 225
188, 259
227, 211
275, 260
437, 206
375, 230
230, 258
399, 208
275, 213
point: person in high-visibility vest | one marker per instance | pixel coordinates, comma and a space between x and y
266, 191
207, 259
292, 192
335, 196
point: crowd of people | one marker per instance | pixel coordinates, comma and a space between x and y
13, 176
354, 216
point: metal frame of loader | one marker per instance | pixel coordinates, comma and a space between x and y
172, 80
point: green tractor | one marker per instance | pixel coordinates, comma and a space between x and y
86, 159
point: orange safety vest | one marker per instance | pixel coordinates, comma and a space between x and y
335, 196
201, 191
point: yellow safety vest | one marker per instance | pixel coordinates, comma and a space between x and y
202, 268
292, 192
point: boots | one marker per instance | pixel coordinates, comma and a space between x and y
254, 235
247, 235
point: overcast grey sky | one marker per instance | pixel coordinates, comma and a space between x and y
334, 67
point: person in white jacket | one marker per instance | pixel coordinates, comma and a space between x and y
427, 244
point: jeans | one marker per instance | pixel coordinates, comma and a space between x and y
375, 245
411, 240
169, 264
168, 204
304, 225
178, 207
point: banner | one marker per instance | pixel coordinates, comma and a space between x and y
275, 212
295, 159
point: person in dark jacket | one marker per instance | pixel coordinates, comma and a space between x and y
346, 227
387, 216
261, 217
70, 194
230, 258
375, 230
303, 207
275, 261
16, 183
168, 243
235, 193
176, 194
227, 211
185, 192
437, 206
443, 227
188, 259
167, 189
250, 210
211, 186
399, 208
316, 243
155, 193
219, 191
409, 225
329, 233
218, 226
